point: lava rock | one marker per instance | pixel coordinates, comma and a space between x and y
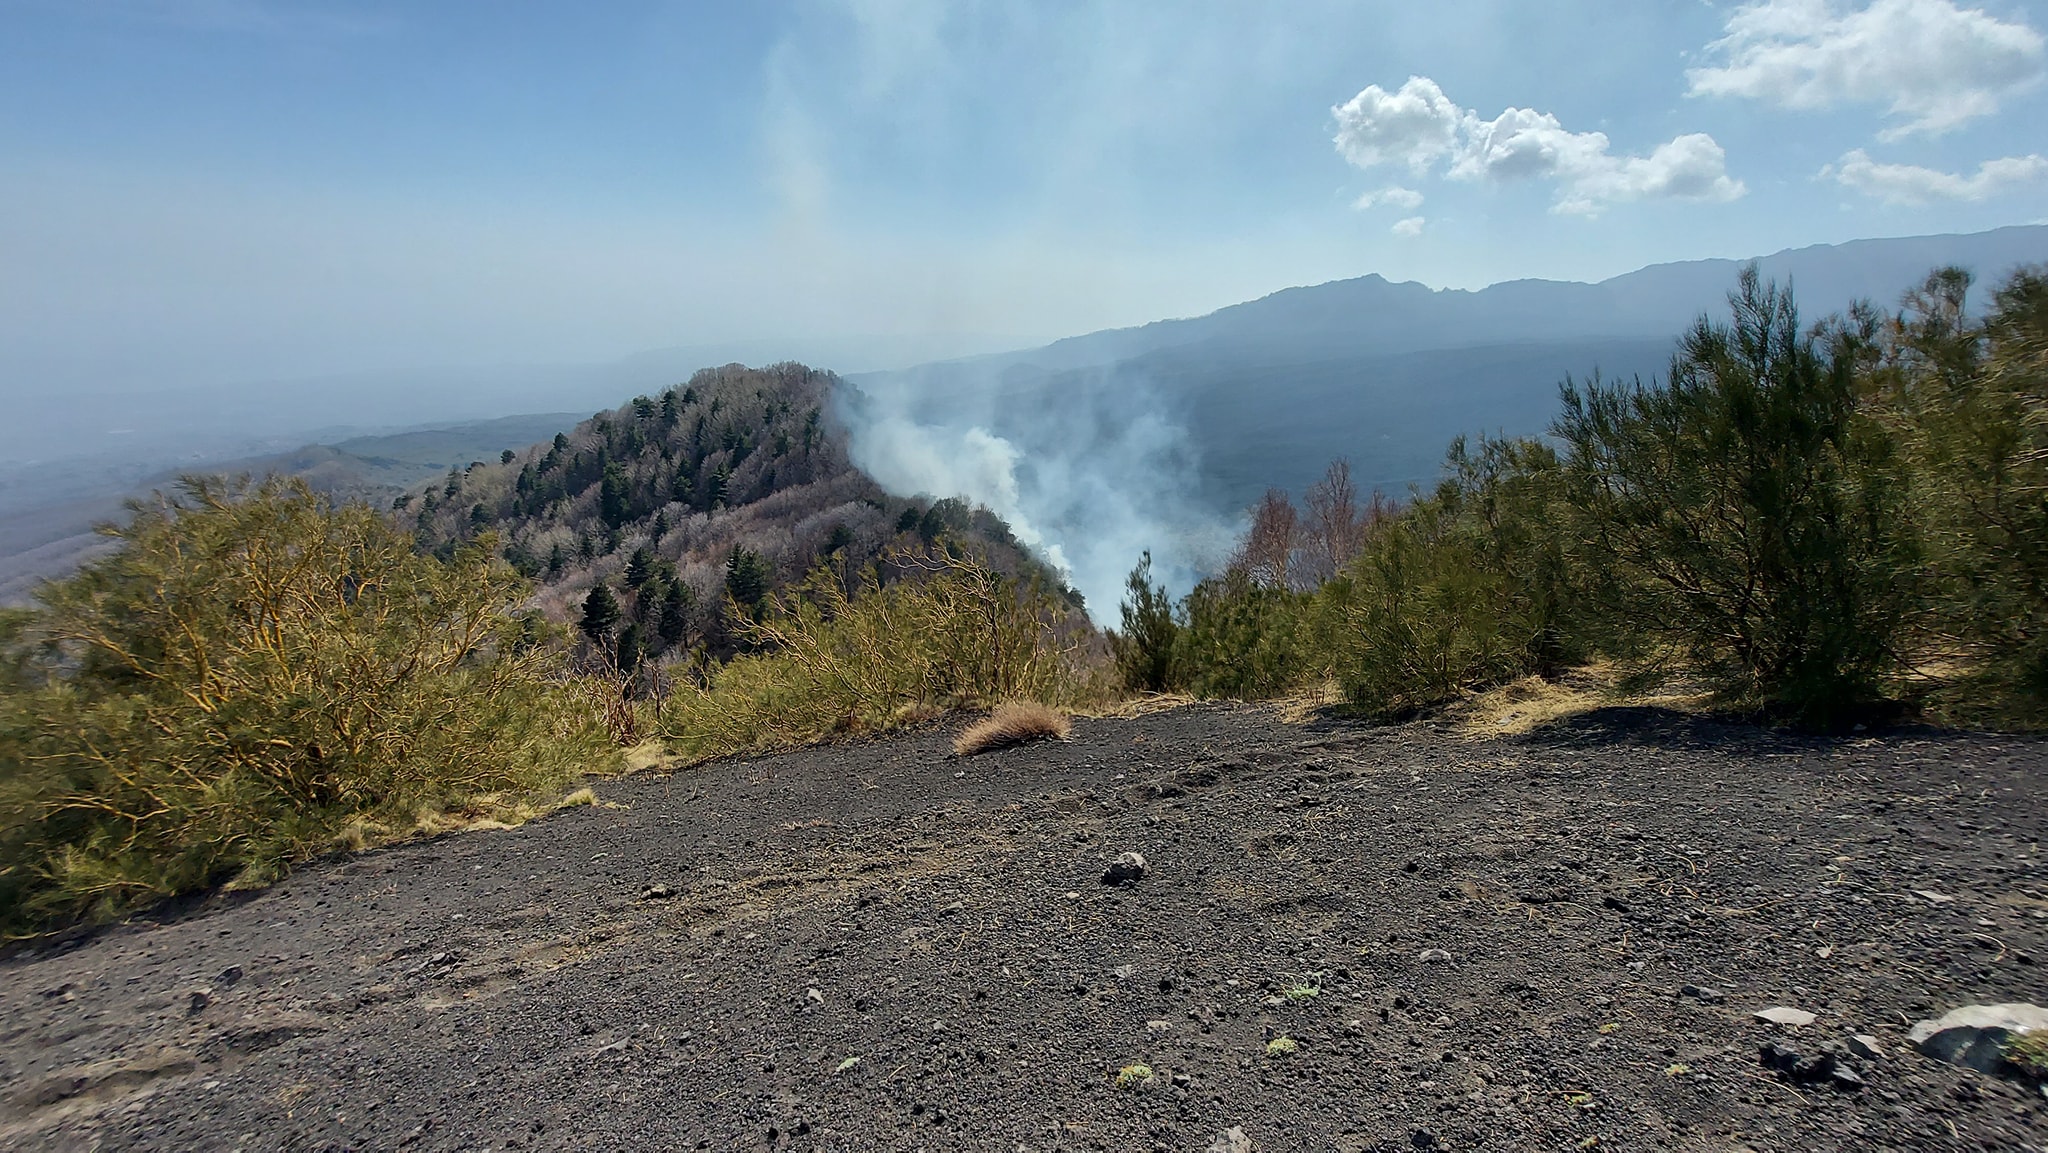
1231, 1140
1785, 1015
1433, 956
1975, 1036
1128, 869
1704, 995
1828, 1067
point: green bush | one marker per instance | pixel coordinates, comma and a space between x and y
1750, 520
1244, 641
253, 674
1144, 649
1465, 588
1968, 399
951, 631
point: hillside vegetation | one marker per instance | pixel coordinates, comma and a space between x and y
686, 512
259, 673
1820, 524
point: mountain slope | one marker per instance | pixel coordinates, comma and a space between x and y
736, 482
1269, 391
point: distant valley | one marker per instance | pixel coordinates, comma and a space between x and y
47, 530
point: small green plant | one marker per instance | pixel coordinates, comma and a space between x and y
1303, 988
2028, 1053
1282, 1047
1132, 1076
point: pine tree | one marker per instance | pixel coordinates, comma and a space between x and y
746, 577
631, 649
600, 612
675, 613
614, 497
639, 568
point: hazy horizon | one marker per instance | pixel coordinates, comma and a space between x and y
200, 193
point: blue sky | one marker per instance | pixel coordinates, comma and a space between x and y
202, 190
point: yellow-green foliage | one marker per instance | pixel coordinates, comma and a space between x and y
1133, 1076
952, 631
251, 673
2028, 1052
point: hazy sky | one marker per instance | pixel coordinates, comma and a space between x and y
236, 189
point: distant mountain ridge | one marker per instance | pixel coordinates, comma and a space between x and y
1386, 373
1373, 314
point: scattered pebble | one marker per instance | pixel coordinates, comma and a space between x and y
1127, 869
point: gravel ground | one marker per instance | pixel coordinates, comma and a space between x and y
1349, 937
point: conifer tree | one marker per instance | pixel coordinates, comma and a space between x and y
600, 612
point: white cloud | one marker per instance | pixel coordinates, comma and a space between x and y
1419, 125
1933, 63
1393, 194
1911, 184
1409, 227
1414, 126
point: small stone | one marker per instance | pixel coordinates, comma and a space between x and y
1824, 952
1127, 869
1703, 994
656, 892
814, 996
1778, 1057
1932, 897
1158, 1026
197, 1000
1433, 956
1975, 1036
1866, 1046
228, 976
1785, 1015
1231, 1140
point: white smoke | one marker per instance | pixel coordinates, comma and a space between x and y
1089, 478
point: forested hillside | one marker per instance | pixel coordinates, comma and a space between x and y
736, 483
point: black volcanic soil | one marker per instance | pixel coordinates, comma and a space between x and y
880, 947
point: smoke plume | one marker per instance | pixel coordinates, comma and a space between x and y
1090, 468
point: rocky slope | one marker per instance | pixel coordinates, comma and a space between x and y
1349, 938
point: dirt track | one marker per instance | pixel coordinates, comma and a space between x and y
879, 947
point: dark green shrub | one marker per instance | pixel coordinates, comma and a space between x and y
1968, 399
1750, 521
1144, 649
1239, 639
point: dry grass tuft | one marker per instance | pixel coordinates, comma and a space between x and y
1532, 702
1013, 723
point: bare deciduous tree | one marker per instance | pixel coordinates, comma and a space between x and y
1266, 556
